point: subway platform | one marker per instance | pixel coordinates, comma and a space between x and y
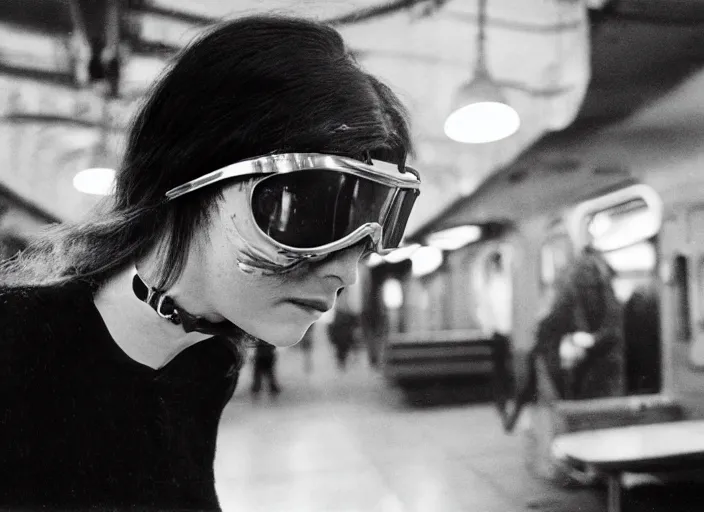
347, 441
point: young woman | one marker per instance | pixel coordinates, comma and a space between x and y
262, 167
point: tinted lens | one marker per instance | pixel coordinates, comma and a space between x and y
396, 221
309, 209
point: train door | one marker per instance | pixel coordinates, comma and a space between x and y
492, 287
384, 306
540, 424
555, 254
625, 232
608, 289
436, 286
695, 237
684, 327
681, 305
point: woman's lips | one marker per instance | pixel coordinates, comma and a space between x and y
315, 304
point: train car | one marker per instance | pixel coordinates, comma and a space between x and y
616, 214
633, 193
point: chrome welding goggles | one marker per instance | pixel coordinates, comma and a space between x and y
306, 205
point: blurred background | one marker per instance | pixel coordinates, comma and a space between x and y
387, 403
73, 72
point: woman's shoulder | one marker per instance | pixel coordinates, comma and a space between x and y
16, 300
20, 297
28, 308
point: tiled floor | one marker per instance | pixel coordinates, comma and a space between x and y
347, 442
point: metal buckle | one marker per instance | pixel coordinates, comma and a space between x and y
159, 304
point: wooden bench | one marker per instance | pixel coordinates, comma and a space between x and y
459, 352
640, 449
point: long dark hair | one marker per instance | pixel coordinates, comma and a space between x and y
248, 87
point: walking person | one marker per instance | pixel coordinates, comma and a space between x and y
579, 338
342, 333
264, 368
306, 346
261, 168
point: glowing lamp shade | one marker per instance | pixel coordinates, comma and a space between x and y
98, 181
481, 114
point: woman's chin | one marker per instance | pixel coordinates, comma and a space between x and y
282, 337
287, 343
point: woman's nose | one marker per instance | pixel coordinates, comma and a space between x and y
343, 264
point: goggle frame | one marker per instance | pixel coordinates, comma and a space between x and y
268, 166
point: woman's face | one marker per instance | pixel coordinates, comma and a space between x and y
276, 308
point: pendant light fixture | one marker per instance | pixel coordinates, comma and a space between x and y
480, 112
99, 179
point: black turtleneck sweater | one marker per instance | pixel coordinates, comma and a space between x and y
82, 425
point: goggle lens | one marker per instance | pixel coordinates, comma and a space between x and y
397, 219
313, 208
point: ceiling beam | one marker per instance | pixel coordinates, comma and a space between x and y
65, 79
50, 16
195, 19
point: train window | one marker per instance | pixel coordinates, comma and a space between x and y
499, 292
683, 331
623, 225
494, 291
633, 267
554, 256
634, 259
634, 282
438, 310
701, 291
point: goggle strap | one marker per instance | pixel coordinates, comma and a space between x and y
403, 169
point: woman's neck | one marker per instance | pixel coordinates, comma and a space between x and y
136, 328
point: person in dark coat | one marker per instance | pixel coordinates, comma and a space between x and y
253, 181
264, 368
342, 333
306, 347
581, 337
643, 344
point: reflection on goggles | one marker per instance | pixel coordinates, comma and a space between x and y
314, 208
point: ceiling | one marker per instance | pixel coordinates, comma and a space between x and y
579, 65
660, 144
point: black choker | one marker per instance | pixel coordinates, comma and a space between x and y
167, 309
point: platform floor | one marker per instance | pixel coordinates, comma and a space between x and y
335, 441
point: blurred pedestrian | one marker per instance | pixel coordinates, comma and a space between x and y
264, 368
342, 332
306, 346
641, 326
261, 168
579, 337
